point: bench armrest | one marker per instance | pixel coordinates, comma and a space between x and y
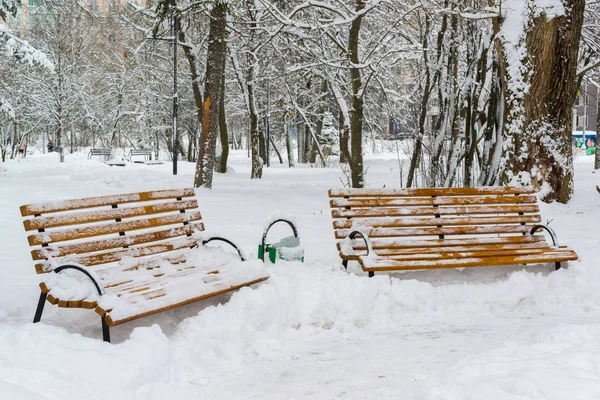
549, 230
218, 238
364, 236
83, 271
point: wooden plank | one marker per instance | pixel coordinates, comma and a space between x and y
106, 215
435, 231
384, 264
112, 243
89, 202
113, 256
105, 229
427, 211
445, 221
385, 243
486, 190
479, 253
430, 201
110, 321
453, 249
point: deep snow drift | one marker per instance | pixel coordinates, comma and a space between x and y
312, 331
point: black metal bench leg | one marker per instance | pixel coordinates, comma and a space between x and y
105, 331
371, 274
345, 264
40, 307
557, 265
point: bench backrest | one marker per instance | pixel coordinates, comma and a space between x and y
140, 151
434, 213
99, 230
100, 152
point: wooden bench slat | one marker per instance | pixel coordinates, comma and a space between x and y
426, 211
458, 249
435, 231
386, 243
440, 222
106, 215
112, 243
386, 264
90, 202
516, 190
105, 229
443, 255
343, 202
114, 256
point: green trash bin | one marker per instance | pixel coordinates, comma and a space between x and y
287, 249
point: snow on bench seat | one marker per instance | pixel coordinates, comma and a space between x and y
131, 255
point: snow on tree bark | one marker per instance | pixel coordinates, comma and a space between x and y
539, 43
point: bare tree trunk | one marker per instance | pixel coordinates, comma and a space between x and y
344, 139
263, 143
215, 64
416, 156
538, 128
356, 121
257, 163
288, 141
276, 150
487, 175
198, 101
224, 137
308, 139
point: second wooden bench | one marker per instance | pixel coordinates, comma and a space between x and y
408, 229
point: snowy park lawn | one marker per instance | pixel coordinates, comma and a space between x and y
312, 331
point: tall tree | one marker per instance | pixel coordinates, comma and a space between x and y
538, 68
215, 69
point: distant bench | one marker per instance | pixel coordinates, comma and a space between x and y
146, 153
107, 154
428, 228
130, 255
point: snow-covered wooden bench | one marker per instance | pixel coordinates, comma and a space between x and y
408, 229
130, 255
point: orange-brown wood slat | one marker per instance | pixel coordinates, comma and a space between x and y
430, 201
89, 202
113, 256
386, 243
106, 215
435, 231
112, 243
455, 249
386, 264
491, 190
104, 229
428, 211
444, 221
479, 253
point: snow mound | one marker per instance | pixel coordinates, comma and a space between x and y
563, 363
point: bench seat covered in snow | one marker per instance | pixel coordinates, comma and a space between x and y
131, 255
428, 228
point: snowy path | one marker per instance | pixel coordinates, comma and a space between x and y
311, 331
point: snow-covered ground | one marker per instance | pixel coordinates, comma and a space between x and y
312, 331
